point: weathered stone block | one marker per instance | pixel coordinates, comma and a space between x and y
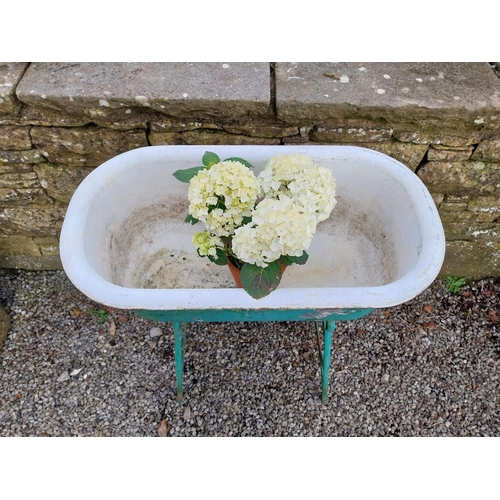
25, 157
49, 245
471, 217
461, 178
61, 182
18, 177
169, 124
134, 121
454, 203
218, 137
18, 245
485, 204
46, 117
453, 139
467, 231
42, 220
14, 138
23, 196
363, 132
425, 95
113, 90
164, 138
410, 155
474, 259
146, 118
31, 263
453, 207
488, 150
10, 75
451, 198
443, 153
85, 146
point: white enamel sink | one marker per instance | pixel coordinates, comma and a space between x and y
124, 243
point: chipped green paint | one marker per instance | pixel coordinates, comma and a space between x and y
179, 348
223, 315
328, 327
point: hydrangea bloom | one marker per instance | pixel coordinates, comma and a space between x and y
278, 227
312, 188
206, 243
228, 184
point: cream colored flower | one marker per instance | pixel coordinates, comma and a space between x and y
279, 227
206, 243
220, 196
312, 188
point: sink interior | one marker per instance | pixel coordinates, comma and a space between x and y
137, 237
152, 249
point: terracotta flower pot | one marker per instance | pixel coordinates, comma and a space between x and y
237, 273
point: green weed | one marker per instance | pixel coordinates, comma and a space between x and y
102, 314
453, 283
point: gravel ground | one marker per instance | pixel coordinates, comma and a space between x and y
430, 367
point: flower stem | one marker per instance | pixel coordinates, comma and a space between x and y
232, 256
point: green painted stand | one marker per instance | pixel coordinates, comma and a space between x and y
327, 318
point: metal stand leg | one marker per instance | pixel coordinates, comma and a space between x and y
179, 341
328, 327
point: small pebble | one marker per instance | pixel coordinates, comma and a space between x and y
63, 377
155, 332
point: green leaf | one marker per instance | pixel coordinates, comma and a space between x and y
102, 314
296, 260
187, 174
260, 281
285, 260
209, 159
454, 283
191, 220
220, 259
241, 160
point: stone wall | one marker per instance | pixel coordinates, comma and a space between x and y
58, 121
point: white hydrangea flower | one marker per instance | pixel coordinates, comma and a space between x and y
206, 243
278, 227
227, 182
312, 188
